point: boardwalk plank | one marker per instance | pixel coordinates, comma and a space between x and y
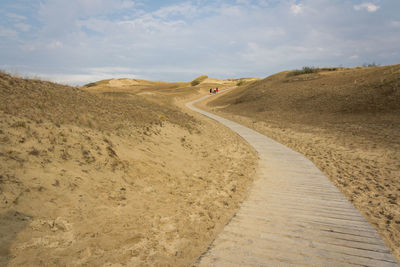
293, 216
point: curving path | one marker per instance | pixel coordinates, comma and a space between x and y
293, 216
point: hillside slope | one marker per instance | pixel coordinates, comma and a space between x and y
88, 179
347, 91
347, 121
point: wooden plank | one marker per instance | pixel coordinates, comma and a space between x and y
293, 216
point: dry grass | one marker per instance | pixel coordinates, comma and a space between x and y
115, 176
347, 121
198, 80
354, 91
46, 101
150, 90
304, 70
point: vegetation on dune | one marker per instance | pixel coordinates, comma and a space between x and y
345, 91
90, 85
304, 70
198, 80
311, 69
240, 82
47, 101
114, 174
347, 121
370, 65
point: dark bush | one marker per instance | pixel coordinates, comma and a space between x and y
304, 70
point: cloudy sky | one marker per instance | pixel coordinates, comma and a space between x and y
79, 41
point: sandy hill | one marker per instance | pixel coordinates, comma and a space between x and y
39, 101
157, 90
347, 121
204, 80
132, 85
121, 82
346, 91
112, 178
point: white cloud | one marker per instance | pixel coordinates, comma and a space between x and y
28, 47
180, 41
111, 70
232, 11
185, 10
149, 24
245, 2
60, 16
23, 27
296, 8
7, 33
127, 4
370, 7
79, 78
16, 16
55, 44
396, 23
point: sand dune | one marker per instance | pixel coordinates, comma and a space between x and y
204, 81
346, 121
117, 172
101, 180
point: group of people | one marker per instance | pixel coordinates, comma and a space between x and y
215, 91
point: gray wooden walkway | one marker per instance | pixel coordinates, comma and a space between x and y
294, 216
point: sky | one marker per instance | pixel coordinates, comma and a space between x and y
81, 41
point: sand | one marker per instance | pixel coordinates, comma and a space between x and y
149, 191
357, 146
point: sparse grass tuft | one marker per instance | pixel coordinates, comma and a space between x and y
304, 70
90, 84
370, 65
19, 124
66, 105
330, 69
34, 152
198, 80
194, 83
240, 82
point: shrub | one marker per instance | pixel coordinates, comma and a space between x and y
194, 83
304, 70
18, 124
239, 83
329, 69
34, 152
90, 84
198, 80
370, 65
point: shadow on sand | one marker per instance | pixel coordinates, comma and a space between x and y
11, 223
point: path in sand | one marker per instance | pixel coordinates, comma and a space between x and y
293, 216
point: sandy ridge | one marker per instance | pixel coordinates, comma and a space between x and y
141, 184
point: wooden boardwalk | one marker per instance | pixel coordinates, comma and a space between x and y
294, 216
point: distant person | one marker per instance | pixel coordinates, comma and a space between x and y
210, 91
216, 89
